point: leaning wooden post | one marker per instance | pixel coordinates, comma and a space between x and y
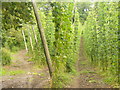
42, 35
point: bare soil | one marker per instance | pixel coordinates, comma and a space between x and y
87, 76
32, 78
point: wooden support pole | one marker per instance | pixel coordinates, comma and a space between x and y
42, 35
24, 40
35, 36
30, 36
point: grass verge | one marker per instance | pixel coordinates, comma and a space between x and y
7, 72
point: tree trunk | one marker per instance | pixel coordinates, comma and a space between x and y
42, 35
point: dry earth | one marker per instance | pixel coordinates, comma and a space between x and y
32, 78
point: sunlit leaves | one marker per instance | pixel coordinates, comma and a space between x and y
66, 35
15, 13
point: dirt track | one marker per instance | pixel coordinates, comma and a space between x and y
32, 78
87, 76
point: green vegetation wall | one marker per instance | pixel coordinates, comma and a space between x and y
101, 38
67, 38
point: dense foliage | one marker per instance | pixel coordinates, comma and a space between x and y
67, 35
101, 38
14, 15
63, 23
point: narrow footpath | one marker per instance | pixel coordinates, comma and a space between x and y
87, 76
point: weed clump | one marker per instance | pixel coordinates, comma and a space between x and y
6, 58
